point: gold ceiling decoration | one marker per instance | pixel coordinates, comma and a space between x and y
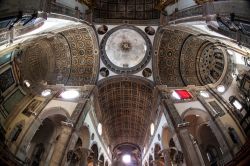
126, 109
164, 3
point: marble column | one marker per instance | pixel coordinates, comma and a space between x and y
60, 147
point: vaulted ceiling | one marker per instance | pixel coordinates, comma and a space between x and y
185, 59
69, 57
126, 109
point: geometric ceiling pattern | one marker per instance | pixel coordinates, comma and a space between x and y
125, 49
70, 57
126, 109
185, 59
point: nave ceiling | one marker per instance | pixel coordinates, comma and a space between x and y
71, 57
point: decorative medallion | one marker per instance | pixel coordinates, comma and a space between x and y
125, 49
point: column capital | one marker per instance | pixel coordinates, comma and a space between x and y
68, 124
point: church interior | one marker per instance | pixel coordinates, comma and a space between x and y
124, 82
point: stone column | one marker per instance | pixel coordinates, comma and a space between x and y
190, 155
199, 152
84, 156
218, 128
95, 163
60, 146
167, 159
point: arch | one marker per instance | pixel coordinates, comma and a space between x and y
84, 134
93, 157
110, 108
209, 145
101, 160
43, 141
165, 137
202, 134
195, 111
182, 58
157, 149
196, 118
63, 57
48, 112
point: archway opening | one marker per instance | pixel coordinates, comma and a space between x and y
101, 160
202, 134
93, 157
44, 140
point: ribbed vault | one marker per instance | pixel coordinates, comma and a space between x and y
186, 59
70, 58
126, 109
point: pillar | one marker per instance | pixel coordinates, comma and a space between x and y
167, 159
189, 151
60, 147
190, 154
84, 156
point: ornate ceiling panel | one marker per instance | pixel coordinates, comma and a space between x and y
186, 59
34, 61
126, 49
168, 58
126, 9
70, 58
126, 108
210, 63
84, 56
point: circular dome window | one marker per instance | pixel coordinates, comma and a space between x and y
99, 129
104, 72
125, 49
147, 72
150, 30
102, 29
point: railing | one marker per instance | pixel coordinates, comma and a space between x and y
65, 10
188, 12
223, 8
51, 7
